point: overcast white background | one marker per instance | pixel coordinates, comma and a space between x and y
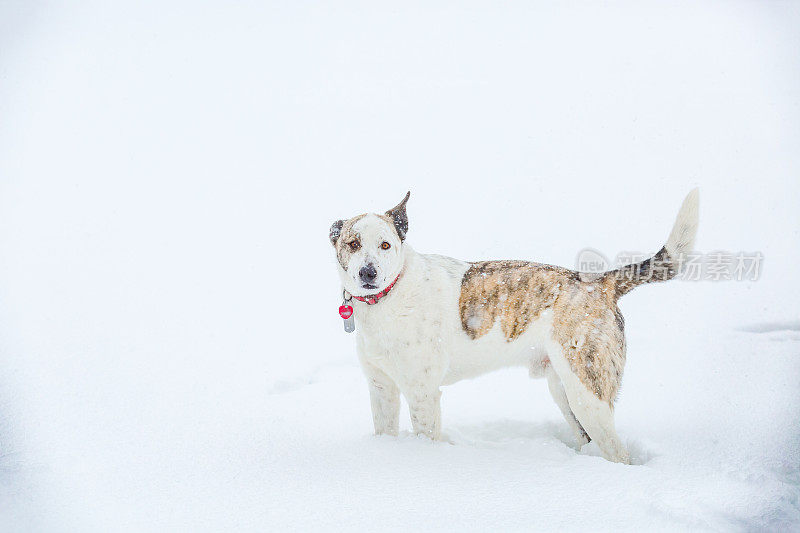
171, 357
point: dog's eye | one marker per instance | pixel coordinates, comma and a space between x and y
385, 245
354, 245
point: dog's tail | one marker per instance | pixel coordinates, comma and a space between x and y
664, 265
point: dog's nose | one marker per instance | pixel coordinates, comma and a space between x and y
368, 273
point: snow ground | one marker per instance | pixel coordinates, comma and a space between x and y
170, 354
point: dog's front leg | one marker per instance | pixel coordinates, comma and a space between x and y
425, 409
384, 397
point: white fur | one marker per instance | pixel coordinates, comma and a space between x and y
412, 342
681, 238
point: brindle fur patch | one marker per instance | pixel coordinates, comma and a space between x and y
515, 292
586, 321
346, 234
590, 329
660, 267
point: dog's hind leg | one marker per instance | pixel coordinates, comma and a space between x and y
560, 397
597, 418
384, 397
595, 415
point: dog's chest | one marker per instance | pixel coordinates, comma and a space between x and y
394, 329
409, 327
406, 346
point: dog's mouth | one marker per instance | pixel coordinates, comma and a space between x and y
368, 286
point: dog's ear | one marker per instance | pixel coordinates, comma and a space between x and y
336, 230
399, 217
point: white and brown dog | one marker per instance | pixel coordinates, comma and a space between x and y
424, 321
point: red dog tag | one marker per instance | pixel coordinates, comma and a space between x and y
346, 312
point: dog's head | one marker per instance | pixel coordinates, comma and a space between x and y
369, 249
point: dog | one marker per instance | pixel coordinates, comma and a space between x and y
424, 321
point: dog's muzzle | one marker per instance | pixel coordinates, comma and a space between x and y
367, 274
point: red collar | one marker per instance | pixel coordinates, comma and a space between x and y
373, 298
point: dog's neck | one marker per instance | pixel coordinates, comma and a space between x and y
372, 299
